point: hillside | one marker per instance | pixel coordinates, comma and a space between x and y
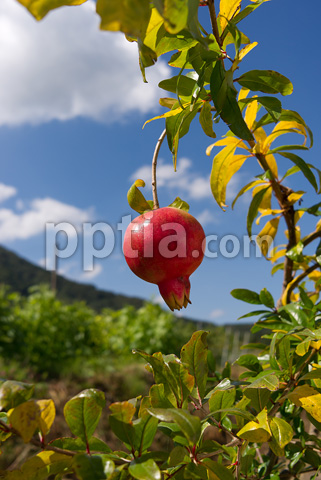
20, 275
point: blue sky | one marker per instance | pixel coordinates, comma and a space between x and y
72, 106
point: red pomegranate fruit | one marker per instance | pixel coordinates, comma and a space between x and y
165, 246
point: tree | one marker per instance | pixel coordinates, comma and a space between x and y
268, 414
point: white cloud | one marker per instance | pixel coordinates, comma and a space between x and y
6, 191
63, 67
206, 217
217, 313
187, 182
97, 270
32, 221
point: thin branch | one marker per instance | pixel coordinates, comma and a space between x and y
282, 193
313, 236
216, 34
154, 166
299, 279
238, 463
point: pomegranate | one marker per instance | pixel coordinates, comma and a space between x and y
165, 246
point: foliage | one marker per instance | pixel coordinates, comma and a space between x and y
53, 339
265, 413
188, 404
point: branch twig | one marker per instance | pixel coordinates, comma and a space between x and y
154, 166
216, 34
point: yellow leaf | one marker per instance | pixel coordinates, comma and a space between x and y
245, 50
316, 345
260, 137
278, 255
155, 22
227, 141
267, 234
301, 392
167, 102
40, 8
243, 93
284, 127
313, 406
228, 9
171, 113
250, 114
303, 348
225, 165
25, 419
257, 432
266, 200
266, 212
295, 196
298, 214
47, 415
273, 166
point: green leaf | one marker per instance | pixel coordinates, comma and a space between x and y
40, 8
190, 425
145, 427
295, 253
144, 470
221, 400
162, 374
303, 166
266, 298
247, 10
158, 397
180, 204
195, 472
206, 120
178, 455
128, 16
282, 434
220, 472
194, 356
121, 422
77, 445
92, 467
136, 199
250, 362
41, 466
180, 85
254, 208
224, 98
177, 126
246, 295
174, 13
272, 105
259, 397
82, 412
265, 380
14, 393
266, 81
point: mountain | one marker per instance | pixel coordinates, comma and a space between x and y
20, 275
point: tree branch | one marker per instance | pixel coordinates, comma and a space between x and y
299, 279
211, 7
282, 193
154, 166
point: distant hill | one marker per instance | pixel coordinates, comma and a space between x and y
20, 275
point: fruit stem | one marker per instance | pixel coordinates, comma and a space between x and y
154, 166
